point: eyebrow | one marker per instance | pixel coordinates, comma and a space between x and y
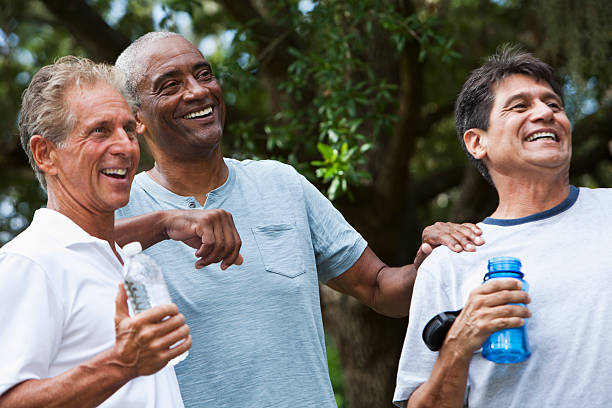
175, 72
108, 123
524, 95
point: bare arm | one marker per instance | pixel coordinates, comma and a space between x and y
142, 347
486, 311
211, 232
388, 290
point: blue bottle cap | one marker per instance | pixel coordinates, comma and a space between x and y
504, 263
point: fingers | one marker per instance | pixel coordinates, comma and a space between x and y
234, 257
220, 242
169, 353
457, 237
157, 313
423, 252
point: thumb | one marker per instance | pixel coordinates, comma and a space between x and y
422, 253
121, 307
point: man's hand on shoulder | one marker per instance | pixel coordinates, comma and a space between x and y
211, 232
457, 237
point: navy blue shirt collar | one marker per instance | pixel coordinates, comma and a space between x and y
564, 205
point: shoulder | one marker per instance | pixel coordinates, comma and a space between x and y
267, 175
595, 199
598, 194
262, 167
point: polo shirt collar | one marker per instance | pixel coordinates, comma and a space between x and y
61, 229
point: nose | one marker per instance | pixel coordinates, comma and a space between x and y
541, 111
195, 90
124, 143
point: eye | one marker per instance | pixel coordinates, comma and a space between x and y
100, 130
169, 86
204, 75
519, 106
555, 106
131, 131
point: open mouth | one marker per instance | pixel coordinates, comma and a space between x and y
115, 173
542, 136
199, 114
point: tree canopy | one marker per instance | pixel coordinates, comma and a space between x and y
358, 95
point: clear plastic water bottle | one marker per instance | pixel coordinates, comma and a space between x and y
508, 345
145, 284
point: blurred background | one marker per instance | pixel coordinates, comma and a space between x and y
357, 94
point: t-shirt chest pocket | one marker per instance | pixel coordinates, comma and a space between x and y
278, 245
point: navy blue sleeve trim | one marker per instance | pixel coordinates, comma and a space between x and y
558, 209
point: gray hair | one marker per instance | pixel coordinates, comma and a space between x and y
474, 103
44, 108
132, 66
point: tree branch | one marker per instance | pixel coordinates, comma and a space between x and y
89, 28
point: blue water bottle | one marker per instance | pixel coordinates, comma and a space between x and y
508, 345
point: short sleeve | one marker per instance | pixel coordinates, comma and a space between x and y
31, 317
337, 245
416, 361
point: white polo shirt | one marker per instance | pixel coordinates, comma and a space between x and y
57, 303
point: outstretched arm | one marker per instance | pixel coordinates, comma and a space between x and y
142, 347
211, 232
388, 290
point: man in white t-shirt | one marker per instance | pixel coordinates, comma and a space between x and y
511, 121
68, 339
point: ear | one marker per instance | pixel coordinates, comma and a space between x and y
45, 154
476, 142
141, 128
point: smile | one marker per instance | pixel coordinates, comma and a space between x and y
199, 114
542, 136
115, 173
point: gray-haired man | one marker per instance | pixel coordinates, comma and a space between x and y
65, 342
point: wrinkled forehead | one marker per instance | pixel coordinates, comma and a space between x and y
167, 54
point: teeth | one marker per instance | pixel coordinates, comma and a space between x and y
198, 114
118, 172
541, 135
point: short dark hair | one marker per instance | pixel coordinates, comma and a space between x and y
474, 103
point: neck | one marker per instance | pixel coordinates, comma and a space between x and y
521, 198
190, 179
99, 225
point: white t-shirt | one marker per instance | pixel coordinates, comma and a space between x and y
566, 254
57, 303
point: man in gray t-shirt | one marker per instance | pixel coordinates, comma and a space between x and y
511, 122
257, 332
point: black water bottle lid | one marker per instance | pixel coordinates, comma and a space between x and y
435, 330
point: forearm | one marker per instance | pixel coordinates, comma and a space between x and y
148, 229
86, 385
394, 290
446, 385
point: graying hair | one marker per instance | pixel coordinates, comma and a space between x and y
131, 63
44, 108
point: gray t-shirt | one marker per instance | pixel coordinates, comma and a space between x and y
258, 338
567, 262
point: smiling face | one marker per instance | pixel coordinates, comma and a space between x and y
181, 101
528, 130
94, 167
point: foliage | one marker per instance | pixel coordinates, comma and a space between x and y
356, 94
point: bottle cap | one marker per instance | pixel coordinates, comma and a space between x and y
133, 248
504, 263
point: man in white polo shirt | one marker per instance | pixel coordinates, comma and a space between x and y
58, 279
